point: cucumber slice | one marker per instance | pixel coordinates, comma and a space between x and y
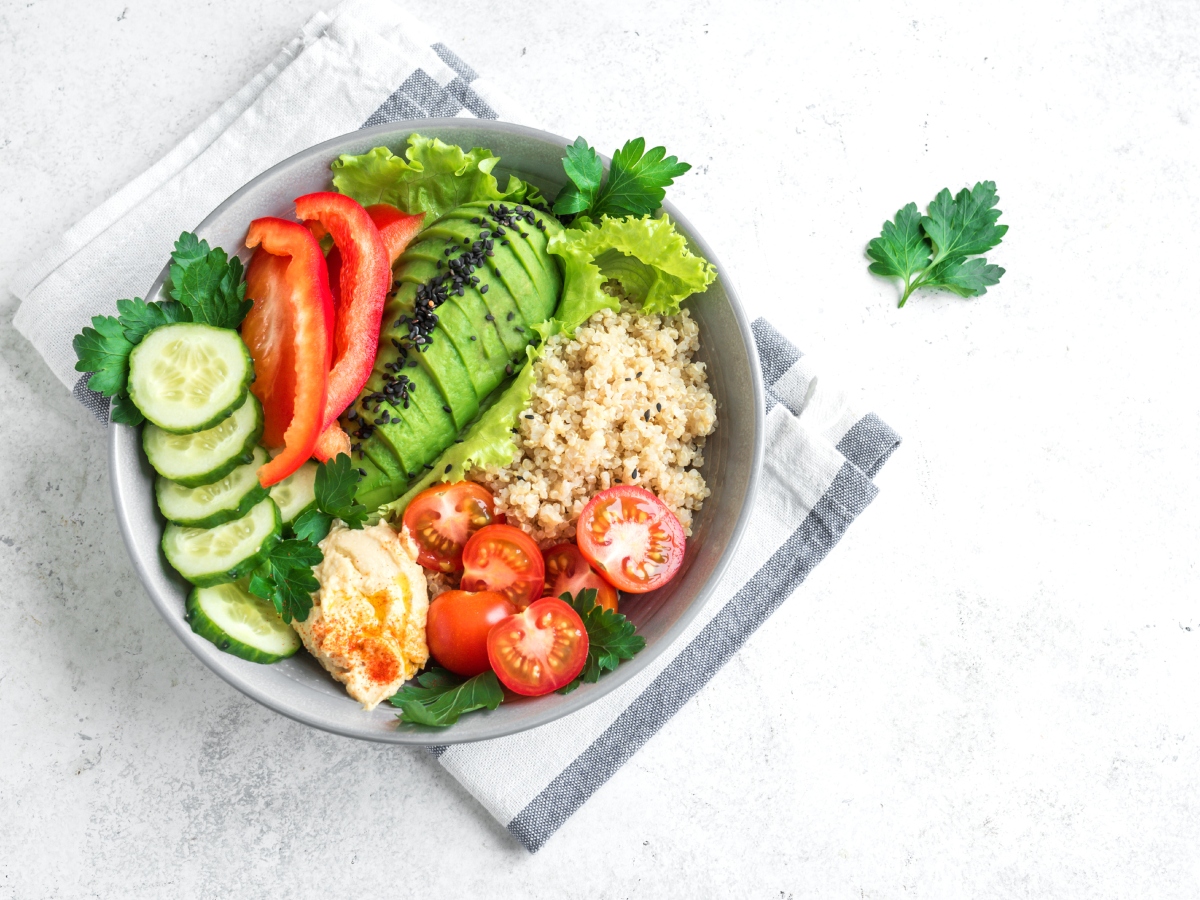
208, 556
188, 377
206, 456
212, 504
240, 623
296, 493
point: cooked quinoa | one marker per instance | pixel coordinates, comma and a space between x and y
621, 402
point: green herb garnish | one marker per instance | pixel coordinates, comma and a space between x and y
285, 578
207, 288
438, 697
334, 490
636, 180
208, 283
931, 251
611, 638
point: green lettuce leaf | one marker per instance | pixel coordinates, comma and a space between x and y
646, 255
432, 178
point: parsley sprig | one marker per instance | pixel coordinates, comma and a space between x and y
438, 697
334, 489
932, 251
285, 578
636, 180
612, 638
206, 286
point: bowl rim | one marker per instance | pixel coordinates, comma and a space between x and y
630, 668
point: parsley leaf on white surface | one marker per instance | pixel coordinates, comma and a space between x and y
932, 251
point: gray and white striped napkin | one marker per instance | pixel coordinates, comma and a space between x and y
367, 63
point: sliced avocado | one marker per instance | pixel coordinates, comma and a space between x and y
506, 314
482, 355
385, 460
403, 434
445, 367
438, 430
375, 489
470, 340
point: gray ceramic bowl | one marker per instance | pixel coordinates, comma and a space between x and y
298, 687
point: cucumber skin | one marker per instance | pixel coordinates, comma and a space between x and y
242, 569
252, 499
216, 417
207, 629
245, 456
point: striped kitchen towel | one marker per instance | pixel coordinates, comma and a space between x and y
367, 63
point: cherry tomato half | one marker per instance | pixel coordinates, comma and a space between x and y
457, 628
505, 559
631, 538
443, 517
540, 649
568, 570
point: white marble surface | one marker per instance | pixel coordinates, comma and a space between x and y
987, 690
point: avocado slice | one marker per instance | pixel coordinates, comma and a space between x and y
440, 359
375, 488
438, 430
379, 453
481, 355
506, 315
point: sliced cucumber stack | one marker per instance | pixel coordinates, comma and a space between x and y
205, 456
240, 623
187, 377
213, 504
208, 556
296, 493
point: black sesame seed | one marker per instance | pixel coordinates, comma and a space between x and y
483, 290
362, 472
429, 467
658, 407
638, 375
518, 328
634, 475
647, 416
490, 317
509, 317
449, 466
472, 337
528, 416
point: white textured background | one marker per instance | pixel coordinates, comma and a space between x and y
990, 687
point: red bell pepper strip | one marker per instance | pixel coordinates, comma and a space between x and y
396, 228
364, 276
298, 298
267, 332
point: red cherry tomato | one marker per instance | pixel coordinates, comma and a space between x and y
631, 538
568, 570
443, 517
458, 625
505, 559
539, 649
